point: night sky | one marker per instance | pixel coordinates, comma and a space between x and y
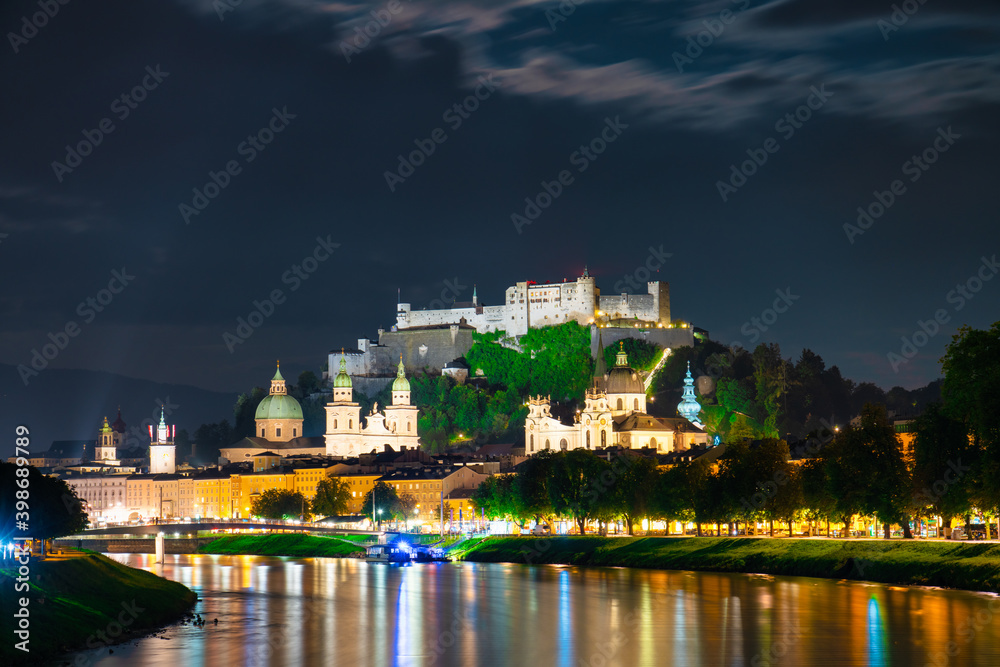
684, 89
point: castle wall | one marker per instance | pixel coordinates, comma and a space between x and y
426, 348
527, 305
666, 337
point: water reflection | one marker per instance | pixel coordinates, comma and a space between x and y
284, 611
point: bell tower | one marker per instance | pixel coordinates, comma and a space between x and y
162, 451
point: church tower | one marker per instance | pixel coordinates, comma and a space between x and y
689, 406
162, 451
401, 417
279, 416
343, 416
106, 451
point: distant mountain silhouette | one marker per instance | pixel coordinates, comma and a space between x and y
63, 404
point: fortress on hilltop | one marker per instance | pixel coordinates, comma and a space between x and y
531, 305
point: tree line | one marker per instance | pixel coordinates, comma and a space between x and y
834, 477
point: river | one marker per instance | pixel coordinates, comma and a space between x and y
304, 612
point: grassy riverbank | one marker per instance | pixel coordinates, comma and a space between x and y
283, 544
77, 601
969, 566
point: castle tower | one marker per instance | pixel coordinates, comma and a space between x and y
107, 450
162, 451
279, 416
689, 406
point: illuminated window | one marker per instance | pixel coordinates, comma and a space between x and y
620, 405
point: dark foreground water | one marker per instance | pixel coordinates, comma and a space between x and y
284, 611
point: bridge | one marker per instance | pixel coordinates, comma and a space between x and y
190, 528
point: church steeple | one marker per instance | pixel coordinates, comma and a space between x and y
343, 390
622, 359
600, 367
278, 387
689, 406
401, 386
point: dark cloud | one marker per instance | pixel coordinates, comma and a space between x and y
324, 175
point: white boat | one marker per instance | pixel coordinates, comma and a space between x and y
387, 553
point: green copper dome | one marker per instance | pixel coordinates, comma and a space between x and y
343, 380
400, 383
279, 406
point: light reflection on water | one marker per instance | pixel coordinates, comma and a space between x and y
286, 611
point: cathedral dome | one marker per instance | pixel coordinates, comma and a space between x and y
622, 379
279, 406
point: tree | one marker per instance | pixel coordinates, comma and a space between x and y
868, 474
634, 489
531, 488
333, 497
669, 498
51, 506
769, 378
819, 503
944, 464
245, 415
308, 383
495, 497
971, 392
381, 502
574, 485
279, 504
